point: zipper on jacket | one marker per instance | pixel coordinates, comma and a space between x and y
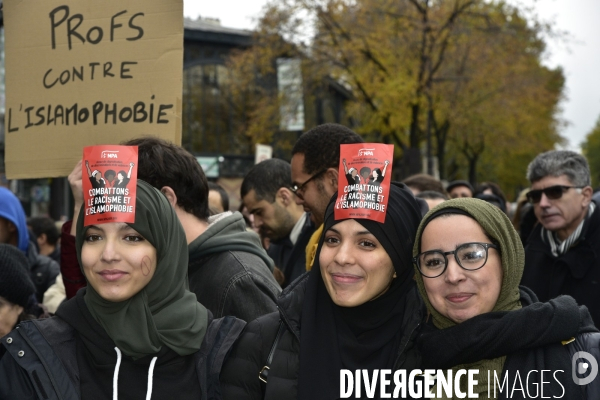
406, 344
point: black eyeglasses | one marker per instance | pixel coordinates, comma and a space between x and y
470, 256
298, 189
551, 192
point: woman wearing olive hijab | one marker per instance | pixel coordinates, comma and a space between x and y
135, 331
469, 261
358, 308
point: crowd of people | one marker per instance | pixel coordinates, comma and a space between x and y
274, 301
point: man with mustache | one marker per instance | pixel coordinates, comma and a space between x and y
266, 193
561, 255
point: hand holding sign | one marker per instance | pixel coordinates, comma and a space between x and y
80, 74
74, 179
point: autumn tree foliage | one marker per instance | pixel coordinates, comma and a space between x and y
591, 150
462, 79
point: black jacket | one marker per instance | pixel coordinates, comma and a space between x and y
590, 343
537, 337
291, 258
230, 272
576, 273
38, 360
239, 377
43, 271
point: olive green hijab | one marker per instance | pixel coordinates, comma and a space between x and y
164, 312
496, 225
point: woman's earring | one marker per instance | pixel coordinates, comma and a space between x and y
395, 275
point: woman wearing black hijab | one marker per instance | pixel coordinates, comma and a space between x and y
358, 308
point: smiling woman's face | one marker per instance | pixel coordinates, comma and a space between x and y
354, 265
459, 294
117, 261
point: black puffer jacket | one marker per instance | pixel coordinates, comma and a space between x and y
240, 373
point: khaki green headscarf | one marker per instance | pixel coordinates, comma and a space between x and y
497, 225
164, 312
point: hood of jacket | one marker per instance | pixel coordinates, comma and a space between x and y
227, 232
11, 210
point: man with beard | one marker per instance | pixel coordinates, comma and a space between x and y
266, 193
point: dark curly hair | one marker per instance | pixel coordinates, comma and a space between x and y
321, 146
161, 163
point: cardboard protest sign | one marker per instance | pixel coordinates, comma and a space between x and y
364, 181
109, 184
83, 72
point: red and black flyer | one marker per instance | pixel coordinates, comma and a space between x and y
364, 181
109, 183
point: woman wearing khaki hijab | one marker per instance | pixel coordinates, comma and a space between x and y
135, 331
469, 261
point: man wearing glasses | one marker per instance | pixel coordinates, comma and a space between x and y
315, 161
562, 252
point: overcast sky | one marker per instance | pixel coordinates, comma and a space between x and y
580, 58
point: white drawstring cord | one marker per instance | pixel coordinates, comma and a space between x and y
150, 375
116, 375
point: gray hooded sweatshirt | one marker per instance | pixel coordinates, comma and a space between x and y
229, 270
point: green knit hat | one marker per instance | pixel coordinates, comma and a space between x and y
496, 224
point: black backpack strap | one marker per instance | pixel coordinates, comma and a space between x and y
218, 341
263, 375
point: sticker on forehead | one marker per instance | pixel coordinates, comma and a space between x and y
109, 180
364, 181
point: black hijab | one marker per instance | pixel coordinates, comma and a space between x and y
366, 336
